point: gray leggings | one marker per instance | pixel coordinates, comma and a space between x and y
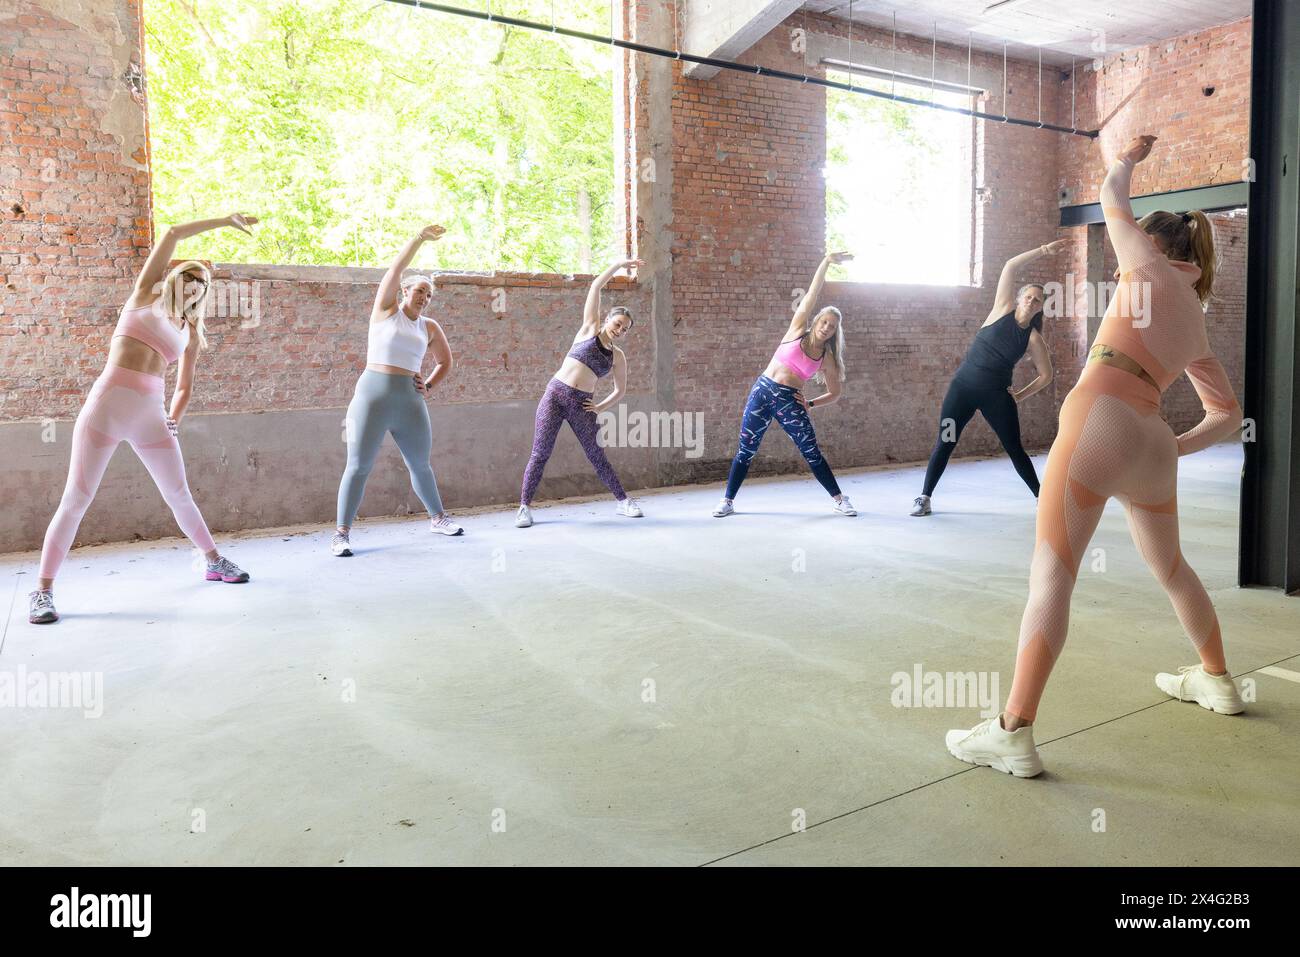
387, 403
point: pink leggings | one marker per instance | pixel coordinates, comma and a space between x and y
123, 404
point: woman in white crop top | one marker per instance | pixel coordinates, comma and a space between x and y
390, 395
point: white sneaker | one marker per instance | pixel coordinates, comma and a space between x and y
1192, 683
724, 509
845, 507
341, 546
445, 526
628, 508
524, 518
921, 506
993, 746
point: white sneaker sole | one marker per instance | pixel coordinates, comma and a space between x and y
459, 531
342, 552
1017, 767
1215, 703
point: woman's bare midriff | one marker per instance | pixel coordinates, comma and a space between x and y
780, 372
133, 354
576, 375
388, 370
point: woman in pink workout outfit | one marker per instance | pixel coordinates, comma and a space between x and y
161, 323
1112, 443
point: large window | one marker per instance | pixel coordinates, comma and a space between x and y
348, 124
898, 185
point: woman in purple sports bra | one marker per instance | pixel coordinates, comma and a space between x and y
568, 397
804, 352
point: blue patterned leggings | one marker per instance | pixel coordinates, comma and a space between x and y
770, 400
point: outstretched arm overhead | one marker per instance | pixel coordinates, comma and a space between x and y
804, 312
148, 283
390, 287
1004, 300
1133, 247
591, 311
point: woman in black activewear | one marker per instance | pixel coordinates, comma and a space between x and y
983, 381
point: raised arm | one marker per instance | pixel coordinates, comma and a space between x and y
591, 311
1004, 300
390, 287
1222, 412
148, 284
1133, 247
803, 313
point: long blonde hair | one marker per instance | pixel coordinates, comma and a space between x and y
173, 297
834, 346
1188, 237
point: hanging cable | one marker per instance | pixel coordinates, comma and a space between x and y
732, 65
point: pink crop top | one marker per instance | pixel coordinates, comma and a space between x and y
791, 355
150, 326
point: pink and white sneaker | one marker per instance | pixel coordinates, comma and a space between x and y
224, 570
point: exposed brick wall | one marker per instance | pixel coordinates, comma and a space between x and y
732, 222
749, 223
308, 344
75, 194
1158, 89
1203, 140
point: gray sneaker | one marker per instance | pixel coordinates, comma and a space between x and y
921, 506
340, 546
224, 570
40, 607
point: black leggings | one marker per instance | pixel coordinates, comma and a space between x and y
967, 394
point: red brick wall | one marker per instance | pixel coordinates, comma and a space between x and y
1158, 89
740, 225
75, 195
749, 227
1203, 140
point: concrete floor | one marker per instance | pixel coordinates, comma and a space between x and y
501, 678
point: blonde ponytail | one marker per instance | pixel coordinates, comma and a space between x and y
1188, 237
1202, 243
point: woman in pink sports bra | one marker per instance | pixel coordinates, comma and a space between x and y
161, 323
808, 344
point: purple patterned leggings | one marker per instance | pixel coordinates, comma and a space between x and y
563, 403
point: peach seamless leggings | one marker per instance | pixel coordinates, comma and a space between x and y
123, 405
1112, 443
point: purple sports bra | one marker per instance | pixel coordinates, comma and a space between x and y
593, 355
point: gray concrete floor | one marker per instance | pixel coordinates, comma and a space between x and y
401, 706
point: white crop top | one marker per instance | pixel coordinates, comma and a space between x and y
398, 341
